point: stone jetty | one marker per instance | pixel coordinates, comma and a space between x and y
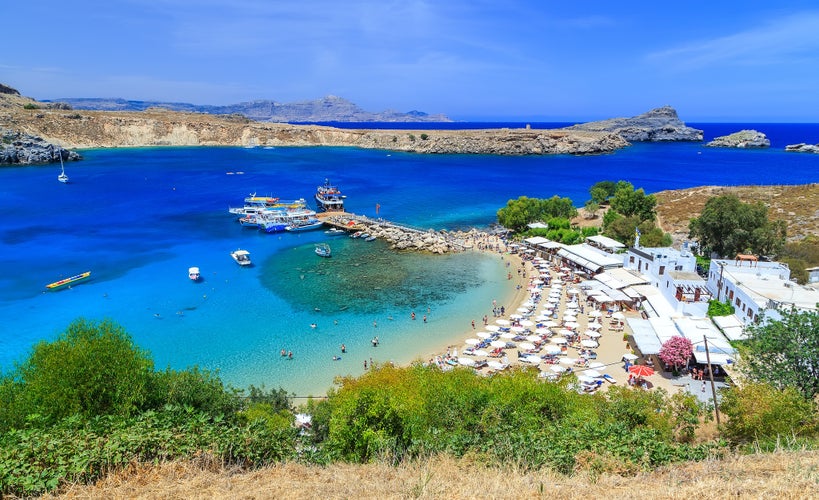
402, 237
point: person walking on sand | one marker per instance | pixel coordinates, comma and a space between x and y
473, 324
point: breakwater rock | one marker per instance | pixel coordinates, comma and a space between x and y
406, 238
802, 148
23, 149
657, 125
741, 139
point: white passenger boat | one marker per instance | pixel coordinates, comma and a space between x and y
329, 198
242, 257
193, 273
323, 250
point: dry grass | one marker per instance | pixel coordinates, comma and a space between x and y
780, 475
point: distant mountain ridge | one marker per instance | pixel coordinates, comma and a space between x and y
326, 109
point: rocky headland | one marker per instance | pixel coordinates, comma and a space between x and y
658, 125
751, 139
802, 148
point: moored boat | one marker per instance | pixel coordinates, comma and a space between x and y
193, 273
329, 198
68, 281
304, 226
323, 250
370, 238
334, 231
242, 257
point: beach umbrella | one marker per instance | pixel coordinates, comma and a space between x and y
543, 331
492, 328
556, 281
572, 324
595, 314
516, 316
557, 368
480, 352
566, 333
559, 340
537, 282
526, 322
466, 361
533, 338
630, 356
590, 344
572, 291
551, 349
530, 359
594, 335
572, 305
472, 341
597, 364
484, 335
498, 343
496, 365
518, 329
595, 325
553, 300
592, 373
550, 324
641, 370
618, 315
507, 335
503, 322
567, 361
526, 346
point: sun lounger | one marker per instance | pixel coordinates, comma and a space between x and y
609, 378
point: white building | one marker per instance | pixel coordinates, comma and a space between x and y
757, 289
673, 272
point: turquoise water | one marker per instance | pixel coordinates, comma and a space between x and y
138, 218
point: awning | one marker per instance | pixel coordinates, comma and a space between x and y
644, 336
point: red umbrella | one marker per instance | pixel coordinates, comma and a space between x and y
641, 370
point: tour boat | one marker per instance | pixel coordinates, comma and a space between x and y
193, 273
68, 281
323, 250
329, 198
242, 257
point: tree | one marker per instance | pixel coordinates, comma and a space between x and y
676, 351
760, 412
727, 226
785, 353
628, 202
602, 191
518, 213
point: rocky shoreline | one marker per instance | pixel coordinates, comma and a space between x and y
802, 148
24, 149
742, 139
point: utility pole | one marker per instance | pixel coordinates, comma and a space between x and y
711, 376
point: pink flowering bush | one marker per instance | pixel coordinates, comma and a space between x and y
676, 351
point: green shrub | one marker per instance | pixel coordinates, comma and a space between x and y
30, 105
424, 137
717, 308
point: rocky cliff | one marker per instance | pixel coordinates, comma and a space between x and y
660, 124
159, 127
741, 139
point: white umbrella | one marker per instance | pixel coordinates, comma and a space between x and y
533, 338
559, 340
483, 335
480, 352
516, 316
594, 335
595, 325
507, 335
572, 324
572, 291
518, 329
595, 314
597, 364
526, 322
550, 324
466, 361
618, 315
556, 281
530, 359
629, 356
592, 373
590, 344
496, 365
493, 328
553, 300
566, 333
502, 322
498, 343
526, 346
543, 331
586, 379
567, 361
552, 349
537, 282
472, 341
557, 368
572, 305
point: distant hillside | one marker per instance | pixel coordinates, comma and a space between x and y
327, 109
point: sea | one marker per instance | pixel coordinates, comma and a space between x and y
138, 218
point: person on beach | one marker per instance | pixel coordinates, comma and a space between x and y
290, 354
343, 348
473, 324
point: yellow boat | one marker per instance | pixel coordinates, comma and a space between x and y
68, 281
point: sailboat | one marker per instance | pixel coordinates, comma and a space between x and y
62, 177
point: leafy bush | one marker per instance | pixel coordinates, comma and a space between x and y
717, 308
30, 106
676, 351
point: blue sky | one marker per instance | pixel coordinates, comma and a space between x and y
750, 61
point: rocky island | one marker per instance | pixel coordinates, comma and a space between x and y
742, 139
57, 124
802, 148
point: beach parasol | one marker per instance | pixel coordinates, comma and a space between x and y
592, 373
590, 344
618, 315
537, 282
526, 322
551, 349
559, 340
630, 356
530, 359
543, 331
507, 335
572, 291
498, 343
472, 341
497, 365
493, 328
518, 329
553, 300
526, 346
571, 324
517, 316
480, 352
595, 314
567, 361
595, 325
594, 334
503, 322
550, 324
566, 333
466, 361
557, 368
641, 370
572, 305
483, 335
533, 338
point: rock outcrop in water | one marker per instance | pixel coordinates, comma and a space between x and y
751, 139
802, 148
658, 125
24, 149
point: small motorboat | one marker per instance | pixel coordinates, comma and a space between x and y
369, 238
242, 257
323, 250
334, 231
305, 226
193, 273
356, 234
